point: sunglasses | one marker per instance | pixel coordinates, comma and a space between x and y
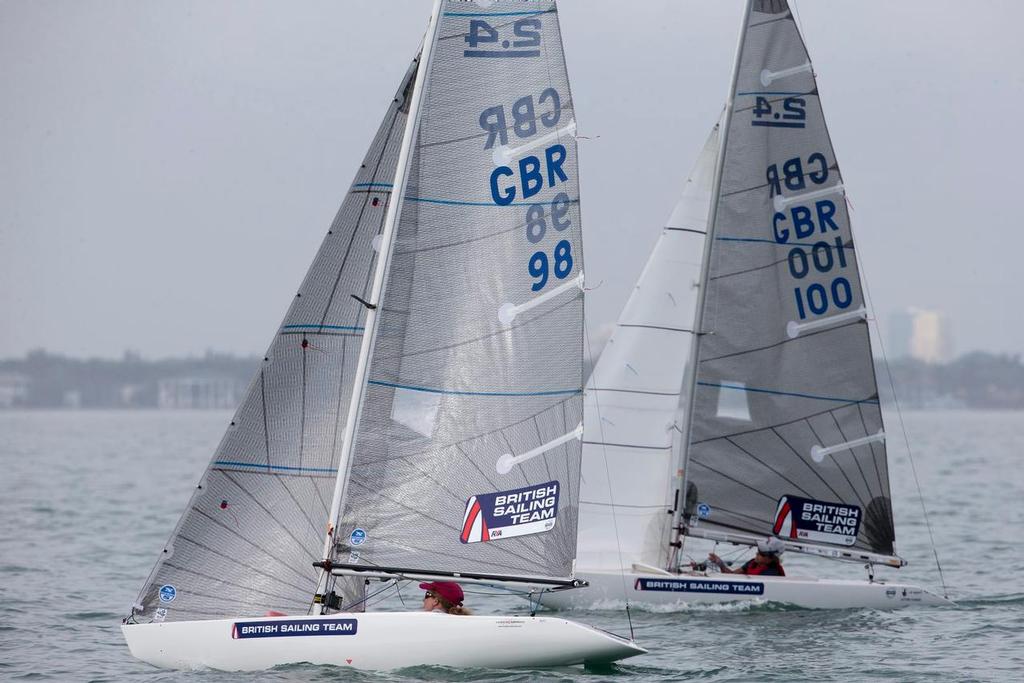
429, 596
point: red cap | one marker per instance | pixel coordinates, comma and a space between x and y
449, 590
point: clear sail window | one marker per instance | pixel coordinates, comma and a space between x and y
416, 410
732, 401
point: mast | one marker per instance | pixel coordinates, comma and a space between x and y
698, 322
391, 220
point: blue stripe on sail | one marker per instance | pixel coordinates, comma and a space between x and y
495, 14
429, 390
787, 393
323, 327
454, 202
773, 92
795, 243
275, 468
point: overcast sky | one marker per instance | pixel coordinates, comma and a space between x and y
168, 169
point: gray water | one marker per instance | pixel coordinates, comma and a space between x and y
87, 500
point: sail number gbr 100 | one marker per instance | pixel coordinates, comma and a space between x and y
798, 224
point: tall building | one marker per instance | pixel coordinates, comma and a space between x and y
920, 334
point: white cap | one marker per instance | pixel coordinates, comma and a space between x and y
771, 546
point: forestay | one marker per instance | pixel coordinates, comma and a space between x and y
787, 430
636, 392
466, 456
255, 524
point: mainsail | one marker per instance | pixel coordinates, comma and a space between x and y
634, 396
787, 435
466, 457
247, 541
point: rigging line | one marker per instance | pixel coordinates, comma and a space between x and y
629, 445
803, 335
694, 461
384, 141
856, 460
808, 465
254, 569
698, 232
458, 529
569, 461
271, 515
302, 403
769, 21
636, 391
778, 424
770, 468
906, 441
246, 588
263, 400
622, 505
839, 466
771, 264
608, 480
515, 325
658, 327
874, 455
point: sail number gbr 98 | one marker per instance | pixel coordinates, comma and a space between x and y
825, 257
527, 175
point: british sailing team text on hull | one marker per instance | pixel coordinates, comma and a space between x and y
387, 383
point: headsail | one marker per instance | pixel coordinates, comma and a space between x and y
635, 394
466, 457
787, 434
254, 526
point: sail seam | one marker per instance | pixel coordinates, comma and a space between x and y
657, 327
696, 232
780, 343
454, 392
628, 445
222, 464
848, 401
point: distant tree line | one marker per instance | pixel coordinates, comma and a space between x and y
47, 380
977, 380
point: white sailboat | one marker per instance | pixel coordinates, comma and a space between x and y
736, 399
421, 402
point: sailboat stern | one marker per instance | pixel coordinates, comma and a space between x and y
374, 641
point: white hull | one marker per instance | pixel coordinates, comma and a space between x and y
664, 589
380, 641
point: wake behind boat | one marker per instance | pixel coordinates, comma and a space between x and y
736, 399
421, 402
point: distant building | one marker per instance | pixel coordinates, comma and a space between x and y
197, 393
13, 389
922, 335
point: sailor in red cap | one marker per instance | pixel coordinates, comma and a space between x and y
443, 596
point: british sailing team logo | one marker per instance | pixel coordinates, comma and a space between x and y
507, 514
816, 520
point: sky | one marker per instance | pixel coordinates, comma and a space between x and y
168, 169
